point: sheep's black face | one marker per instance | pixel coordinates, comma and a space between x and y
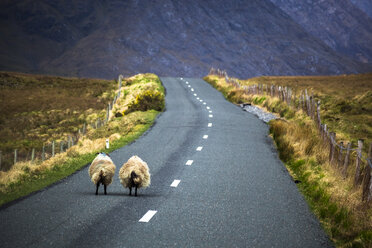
133, 176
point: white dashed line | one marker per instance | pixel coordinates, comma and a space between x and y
208, 107
210, 116
197, 98
201, 100
205, 137
192, 89
209, 124
210, 111
204, 103
189, 86
187, 82
199, 148
175, 183
195, 94
189, 162
147, 217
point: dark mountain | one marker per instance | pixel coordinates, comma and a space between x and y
182, 38
364, 5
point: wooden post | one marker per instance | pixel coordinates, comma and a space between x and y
318, 114
357, 177
33, 155
53, 148
339, 162
68, 142
15, 156
0, 159
84, 128
346, 160
332, 140
367, 181
43, 153
325, 133
61, 146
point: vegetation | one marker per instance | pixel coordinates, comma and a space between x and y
26, 177
336, 202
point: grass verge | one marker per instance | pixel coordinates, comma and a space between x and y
335, 201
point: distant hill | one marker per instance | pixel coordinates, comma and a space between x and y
184, 38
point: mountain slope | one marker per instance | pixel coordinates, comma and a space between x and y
105, 38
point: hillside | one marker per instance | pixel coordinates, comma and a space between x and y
173, 38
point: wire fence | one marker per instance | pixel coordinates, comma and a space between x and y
51, 149
340, 156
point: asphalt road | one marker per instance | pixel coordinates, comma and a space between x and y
233, 189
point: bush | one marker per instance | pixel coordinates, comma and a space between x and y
147, 100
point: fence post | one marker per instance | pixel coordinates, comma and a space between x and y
32, 155
43, 153
84, 128
367, 181
53, 147
0, 159
61, 146
346, 161
332, 138
15, 156
340, 154
357, 177
318, 114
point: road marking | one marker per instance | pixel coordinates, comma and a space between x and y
189, 162
147, 217
208, 107
197, 98
195, 94
175, 183
187, 82
204, 103
199, 148
181, 78
205, 137
210, 111
210, 116
192, 89
189, 86
201, 100
209, 124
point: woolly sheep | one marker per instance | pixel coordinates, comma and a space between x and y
102, 170
134, 173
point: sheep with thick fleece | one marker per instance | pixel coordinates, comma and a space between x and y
102, 170
134, 173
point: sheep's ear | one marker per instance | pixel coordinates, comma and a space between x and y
97, 153
107, 155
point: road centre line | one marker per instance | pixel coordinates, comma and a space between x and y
175, 183
209, 124
199, 148
192, 89
147, 217
195, 94
189, 162
208, 107
210, 116
204, 103
205, 137
210, 111
197, 98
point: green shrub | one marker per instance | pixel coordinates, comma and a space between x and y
147, 100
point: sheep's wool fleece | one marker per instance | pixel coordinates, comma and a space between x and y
140, 167
102, 163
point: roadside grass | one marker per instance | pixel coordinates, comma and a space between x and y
336, 202
26, 177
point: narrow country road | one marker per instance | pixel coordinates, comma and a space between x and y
216, 182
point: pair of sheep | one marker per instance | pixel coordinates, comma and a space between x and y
133, 174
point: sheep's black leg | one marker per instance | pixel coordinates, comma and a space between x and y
97, 188
105, 186
136, 192
130, 190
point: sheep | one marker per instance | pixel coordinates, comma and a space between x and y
134, 173
102, 170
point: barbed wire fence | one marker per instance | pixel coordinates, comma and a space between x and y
340, 156
50, 149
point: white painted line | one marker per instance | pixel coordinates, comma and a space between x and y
187, 82
181, 78
204, 103
199, 148
201, 100
189, 162
209, 124
205, 137
175, 183
195, 94
197, 98
210, 116
192, 89
210, 111
208, 107
189, 86
147, 217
